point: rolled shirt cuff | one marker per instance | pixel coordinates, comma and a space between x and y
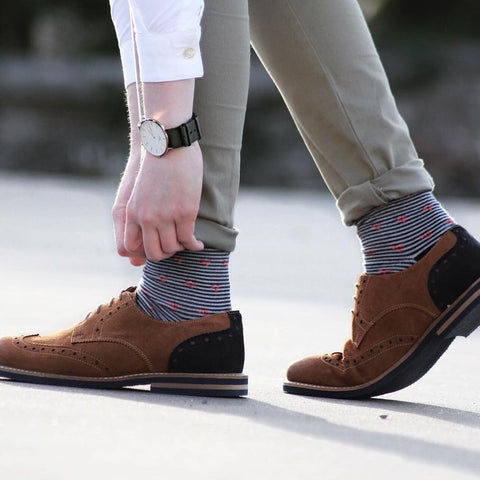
163, 57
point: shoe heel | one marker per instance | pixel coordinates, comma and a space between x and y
205, 385
464, 317
469, 322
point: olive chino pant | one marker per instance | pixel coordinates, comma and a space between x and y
322, 59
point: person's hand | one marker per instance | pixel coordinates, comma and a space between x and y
162, 208
119, 211
158, 198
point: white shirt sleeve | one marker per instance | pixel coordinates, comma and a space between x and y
168, 38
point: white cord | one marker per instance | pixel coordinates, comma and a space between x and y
138, 82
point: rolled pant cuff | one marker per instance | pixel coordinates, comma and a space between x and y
358, 200
214, 235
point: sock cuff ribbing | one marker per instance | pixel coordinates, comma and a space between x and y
394, 235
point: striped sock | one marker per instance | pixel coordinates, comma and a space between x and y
395, 234
186, 286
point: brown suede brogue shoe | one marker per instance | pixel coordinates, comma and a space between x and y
402, 324
118, 345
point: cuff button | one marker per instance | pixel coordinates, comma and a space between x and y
189, 53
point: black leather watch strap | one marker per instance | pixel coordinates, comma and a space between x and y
185, 134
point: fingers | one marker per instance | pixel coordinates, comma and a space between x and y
169, 241
137, 258
186, 237
119, 218
138, 242
133, 242
137, 261
158, 244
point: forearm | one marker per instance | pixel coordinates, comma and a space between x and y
132, 103
170, 103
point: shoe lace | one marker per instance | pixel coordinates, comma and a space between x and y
355, 312
355, 299
106, 305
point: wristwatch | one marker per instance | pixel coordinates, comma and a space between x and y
157, 140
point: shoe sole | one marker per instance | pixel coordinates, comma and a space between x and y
198, 384
460, 319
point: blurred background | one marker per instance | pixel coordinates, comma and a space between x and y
63, 110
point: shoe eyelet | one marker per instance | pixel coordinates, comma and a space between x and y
192, 343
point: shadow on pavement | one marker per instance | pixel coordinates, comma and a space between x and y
315, 427
452, 415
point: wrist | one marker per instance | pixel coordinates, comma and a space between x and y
158, 140
172, 153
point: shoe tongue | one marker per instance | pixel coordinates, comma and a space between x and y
349, 350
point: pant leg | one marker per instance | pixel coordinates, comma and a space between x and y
220, 102
322, 58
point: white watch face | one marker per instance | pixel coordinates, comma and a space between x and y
153, 137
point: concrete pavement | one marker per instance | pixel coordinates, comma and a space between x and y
292, 276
